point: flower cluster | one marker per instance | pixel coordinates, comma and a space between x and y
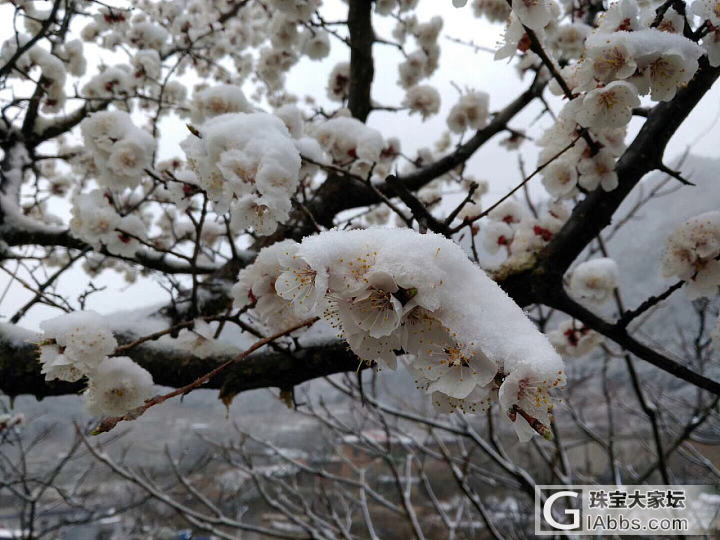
512, 229
604, 73
120, 150
691, 254
388, 291
247, 163
77, 345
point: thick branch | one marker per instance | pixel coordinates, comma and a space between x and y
362, 68
20, 370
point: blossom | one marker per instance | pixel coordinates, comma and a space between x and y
669, 71
711, 44
525, 395
471, 112
497, 234
388, 291
572, 338
348, 139
610, 58
608, 107
125, 241
217, 100
118, 386
200, 341
299, 283
560, 178
316, 44
251, 157
338, 88
707, 10
423, 99
74, 343
598, 170
594, 280
534, 14
690, 254
94, 220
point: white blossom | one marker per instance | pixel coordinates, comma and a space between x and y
594, 280
118, 386
609, 107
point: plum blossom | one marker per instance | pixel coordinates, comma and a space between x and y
594, 280
535, 14
422, 99
471, 112
572, 338
691, 253
118, 386
560, 178
74, 344
609, 107
707, 10
388, 291
598, 170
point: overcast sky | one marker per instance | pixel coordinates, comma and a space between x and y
459, 66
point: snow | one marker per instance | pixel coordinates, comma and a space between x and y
383, 289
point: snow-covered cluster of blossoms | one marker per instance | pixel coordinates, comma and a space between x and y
120, 150
37, 62
96, 221
691, 254
77, 345
349, 142
594, 280
388, 291
247, 163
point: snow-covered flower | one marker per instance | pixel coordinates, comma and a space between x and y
218, 100
594, 280
299, 283
118, 386
393, 290
120, 150
251, 157
200, 341
348, 139
496, 235
707, 10
74, 343
94, 219
609, 107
